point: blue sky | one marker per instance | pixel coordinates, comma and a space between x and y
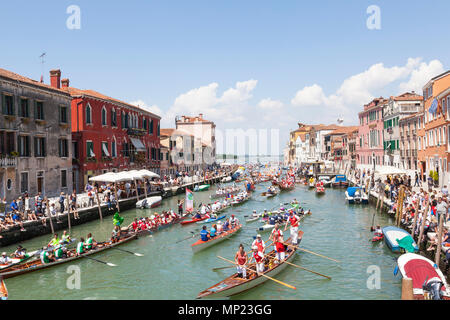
157, 51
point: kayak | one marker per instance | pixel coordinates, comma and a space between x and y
211, 220
192, 221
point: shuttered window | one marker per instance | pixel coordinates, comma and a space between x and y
39, 110
63, 148
39, 147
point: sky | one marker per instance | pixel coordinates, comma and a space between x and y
250, 65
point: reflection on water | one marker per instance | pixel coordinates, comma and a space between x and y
170, 270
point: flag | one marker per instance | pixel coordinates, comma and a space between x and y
189, 201
117, 219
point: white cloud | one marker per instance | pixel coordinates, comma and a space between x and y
270, 104
309, 96
419, 77
153, 108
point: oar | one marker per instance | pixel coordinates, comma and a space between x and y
136, 254
305, 250
217, 269
278, 281
294, 265
190, 237
107, 263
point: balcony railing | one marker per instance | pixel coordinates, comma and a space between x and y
8, 162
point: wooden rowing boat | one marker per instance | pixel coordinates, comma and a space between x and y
38, 265
193, 220
159, 227
234, 284
3, 290
200, 244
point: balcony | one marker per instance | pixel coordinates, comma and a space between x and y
136, 132
8, 162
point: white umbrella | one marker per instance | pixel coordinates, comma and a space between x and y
106, 177
390, 170
148, 174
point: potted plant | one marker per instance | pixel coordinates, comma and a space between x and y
436, 178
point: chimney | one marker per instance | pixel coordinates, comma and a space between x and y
65, 83
55, 78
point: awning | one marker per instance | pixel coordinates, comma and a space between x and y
138, 144
105, 150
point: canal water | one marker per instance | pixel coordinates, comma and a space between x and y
169, 270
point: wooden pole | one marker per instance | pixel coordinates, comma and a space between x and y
407, 289
416, 213
439, 240
117, 198
399, 210
145, 188
424, 218
382, 200
68, 213
98, 205
50, 216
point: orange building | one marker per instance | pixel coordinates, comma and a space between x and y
435, 139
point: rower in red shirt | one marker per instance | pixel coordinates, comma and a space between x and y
294, 220
277, 237
259, 260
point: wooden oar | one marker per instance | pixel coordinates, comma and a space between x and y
294, 265
220, 268
107, 263
305, 250
278, 281
193, 235
135, 253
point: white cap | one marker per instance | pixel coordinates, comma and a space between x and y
258, 236
4, 254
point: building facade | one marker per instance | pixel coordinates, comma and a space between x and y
108, 134
35, 138
370, 133
409, 141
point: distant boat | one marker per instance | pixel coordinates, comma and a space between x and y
393, 234
150, 202
356, 195
340, 181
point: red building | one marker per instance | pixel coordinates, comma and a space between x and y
109, 134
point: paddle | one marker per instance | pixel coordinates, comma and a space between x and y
136, 254
220, 268
294, 265
107, 263
305, 250
190, 237
263, 275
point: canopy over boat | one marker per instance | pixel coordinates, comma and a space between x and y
352, 190
340, 178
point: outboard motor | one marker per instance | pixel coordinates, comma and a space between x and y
433, 287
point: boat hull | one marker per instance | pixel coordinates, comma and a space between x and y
3, 291
201, 245
391, 234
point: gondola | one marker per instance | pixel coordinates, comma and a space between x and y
35, 265
234, 284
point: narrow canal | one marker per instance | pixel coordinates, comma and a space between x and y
170, 271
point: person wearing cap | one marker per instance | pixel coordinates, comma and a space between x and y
20, 253
4, 259
258, 256
226, 225
204, 234
46, 257
213, 231
294, 220
259, 243
234, 221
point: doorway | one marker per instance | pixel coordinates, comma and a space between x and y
40, 182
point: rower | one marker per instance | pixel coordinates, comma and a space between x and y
46, 257
58, 252
241, 259
80, 247
219, 227
65, 238
198, 215
54, 242
204, 234
234, 221
20, 253
115, 235
4, 259
294, 221
259, 260
378, 232
226, 225
277, 237
213, 231
90, 242
259, 243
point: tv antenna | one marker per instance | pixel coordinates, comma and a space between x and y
42, 62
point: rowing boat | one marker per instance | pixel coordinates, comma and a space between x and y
160, 226
234, 284
211, 220
193, 220
3, 290
200, 244
35, 265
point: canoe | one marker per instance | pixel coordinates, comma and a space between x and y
3, 290
211, 220
38, 265
161, 227
192, 221
423, 271
201, 245
392, 234
234, 284
150, 202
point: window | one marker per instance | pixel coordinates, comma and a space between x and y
125, 149
63, 114
63, 148
158, 132
88, 114
151, 127
113, 118
90, 149
104, 115
39, 147
23, 145
23, 182
63, 178
105, 151
113, 148
24, 110
39, 110
8, 105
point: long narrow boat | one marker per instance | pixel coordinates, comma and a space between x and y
234, 284
160, 227
193, 220
38, 265
212, 220
3, 290
200, 244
